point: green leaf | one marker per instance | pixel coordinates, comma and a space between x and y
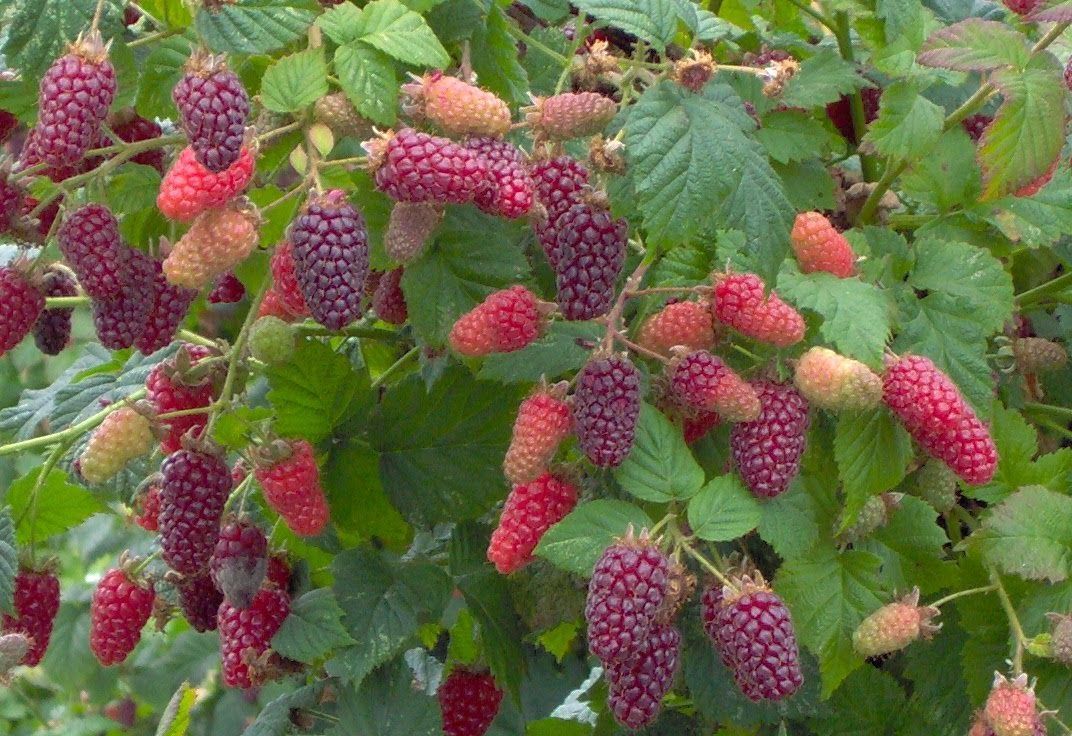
908, 124
133, 188
660, 467
872, 450
254, 26
383, 603
394, 29
161, 70
175, 719
61, 505
975, 45
312, 629
37, 32
358, 502
274, 718
1030, 535
295, 81
792, 136
311, 393
885, 706
654, 21
559, 351
576, 543
172, 14
387, 704
367, 76
822, 79
9, 561
341, 23
557, 727
948, 176
912, 548
724, 510
494, 58
1017, 445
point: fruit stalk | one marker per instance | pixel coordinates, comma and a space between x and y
236, 354
1014, 623
73, 431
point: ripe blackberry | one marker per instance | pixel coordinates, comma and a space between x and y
933, 411
169, 390
290, 480
246, 634
818, 246
122, 437
74, 98
894, 627
90, 243
32, 155
388, 301
42, 222
767, 450
570, 115
121, 321
543, 422
188, 188
37, 601
469, 702
219, 240
213, 107
740, 302
193, 490
52, 331
638, 684
591, 250
531, 509
331, 258
240, 561
117, 614
505, 321
11, 196
418, 167
703, 381
606, 407
409, 227
457, 107
169, 306
131, 128
511, 191
688, 323
200, 601
625, 596
22, 306
227, 290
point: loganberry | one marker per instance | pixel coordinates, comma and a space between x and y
213, 106
469, 702
606, 407
193, 490
767, 450
37, 601
117, 613
531, 509
290, 480
246, 634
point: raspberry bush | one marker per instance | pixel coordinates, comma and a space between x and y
532, 368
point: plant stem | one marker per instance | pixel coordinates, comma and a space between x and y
155, 36
276, 132
395, 367
665, 290
543, 48
144, 562
705, 563
192, 337
960, 594
58, 302
843, 35
236, 355
131, 149
1032, 296
74, 430
46, 468
1060, 411
619, 337
374, 333
187, 412
631, 284
965, 518
1014, 623
807, 9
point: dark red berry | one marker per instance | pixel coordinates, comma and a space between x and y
90, 243
559, 183
418, 167
11, 197
976, 125
388, 301
469, 702
8, 124
591, 250
200, 600
37, 601
285, 281
767, 451
44, 219
32, 155
136, 128
227, 290
170, 392
638, 684
606, 406
169, 306
246, 633
278, 573
52, 331
193, 490
511, 191
22, 306
119, 610
147, 508
240, 561
121, 321
213, 107
840, 112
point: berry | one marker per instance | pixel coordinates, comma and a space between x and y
559, 184
570, 115
739, 302
1039, 355
410, 225
13, 650
457, 107
338, 113
246, 633
23, 304
591, 248
213, 107
271, 340
388, 301
200, 601
418, 167
227, 290
119, 610
874, 515
123, 436
32, 155
894, 627
11, 197
219, 240
75, 95
90, 243
543, 421
240, 561
37, 601
8, 124
331, 258
168, 309
121, 321
682, 323
637, 685
133, 128
147, 508
278, 573
188, 188
1010, 708
753, 633
836, 383
820, 247
469, 702
169, 391
840, 113
1021, 7
531, 509
703, 381
52, 331
285, 281
936, 484
976, 125
1034, 186
1061, 638
292, 488
767, 451
193, 490
505, 321
606, 407
696, 427
44, 219
933, 411
510, 191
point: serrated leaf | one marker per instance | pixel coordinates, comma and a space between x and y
872, 451
660, 467
367, 76
9, 561
792, 136
161, 70
560, 351
494, 58
975, 45
133, 188
1029, 535
394, 29
947, 177
723, 510
295, 81
908, 124
312, 629
175, 720
60, 506
822, 79
912, 548
576, 543
341, 23
654, 21
968, 273
171, 13
38, 31
845, 717
312, 392
387, 704
358, 502
254, 26
274, 718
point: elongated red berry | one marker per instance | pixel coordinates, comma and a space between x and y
285, 282
240, 561
820, 247
543, 421
188, 188
168, 309
219, 240
200, 601
292, 488
469, 702
894, 627
606, 407
171, 388
389, 301
510, 191
559, 184
767, 451
193, 490
531, 509
591, 247
418, 167
119, 322
935, 413
22, 306
740, 302
570, 115
52, 331
37, 601
704, 382
117, 614
408, 229
123, 436
1011, 708
505, 321
836, 383
638, 684
147, 507
688, 323
213, 107
246, 634
457, 107
90, 243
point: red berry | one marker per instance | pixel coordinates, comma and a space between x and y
606, 407
1010, 708
505, 321
625, 598
933, 411
820, 247
44, 219
703, 381
331, 258
1068, 79
894, 627
285, 282
278, 573
637, 685
134, 128
22, 306
976, 125
409, 227
739, 302
570, 115
37, 601
240, 561
457, 107
418, 167
767, 451
8, 125
90, 243
696, 427
193, 490
119, 322
11, 198
1021, 7
119, 610
227, 290
543, 421
510, 191
169, 306
200, 601
559, 184
122, 437
219, 240
840, 113
388, 301
52, 331
213, 107
169, 391
591, 248
32, 155
147, 508
188, 188
681, 323
246, 633
292, 488
531, 509
469, 702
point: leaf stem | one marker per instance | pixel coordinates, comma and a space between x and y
395, 367
276, 132
962, 593
236, 355
619, 337
807, 9
1033, 295
1014, 622
73, 431
614, 316
1060, 411
373, 333
192, 337
528, 40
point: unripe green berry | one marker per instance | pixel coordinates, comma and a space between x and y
271, 340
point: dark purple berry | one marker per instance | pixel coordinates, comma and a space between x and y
559, 183
135, 128
169, 306
213, 107
52, 331
22, 305
606, 406
767, 451
227, 290
239, 562
120, 322
637, 685
388, 301
200, 601
11, 197
511, 190
90, 243
590, 249
193, 490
